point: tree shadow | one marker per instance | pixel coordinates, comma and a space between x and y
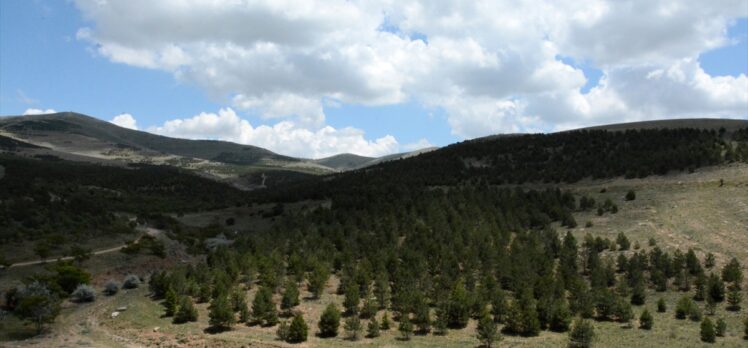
212, 330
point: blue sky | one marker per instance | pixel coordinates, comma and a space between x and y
45, 63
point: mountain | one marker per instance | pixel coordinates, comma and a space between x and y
79, 137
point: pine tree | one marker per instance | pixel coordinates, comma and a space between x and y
317, 279
171, 302
661, 306
582, 334
352, 299
187, 311
731, 273
623, 312
237, 299
498, 306
441, 321
353, 327
290, 295
734, 297
385, 322
638, 295
422, 318
329, 322
646, 320
458, 310
631, 195
715, 288
487, 329
560, 316
707, 331
709, 261
372, 329
382, 290
298, 330
405, 328
721, 328
221, 316
264, 311
283, 330
244, 314
684, 308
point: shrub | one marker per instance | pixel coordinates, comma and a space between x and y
631, 195
405, 328
353, 327
282, 331
131, 282
111, 288
83, 293
721, 327
372, 329
661, 306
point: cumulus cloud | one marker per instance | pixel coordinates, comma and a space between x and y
126, 121
493, 66
284, 137
32, 111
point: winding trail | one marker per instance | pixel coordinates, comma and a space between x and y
149, 231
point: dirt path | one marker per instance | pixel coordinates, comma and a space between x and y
149, 231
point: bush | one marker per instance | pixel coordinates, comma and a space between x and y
721, 327
661, 306
111, 288
581, 334
131, 282
83, 293
282, 331
631, 195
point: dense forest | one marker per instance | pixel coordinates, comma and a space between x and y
565, 157
73, 199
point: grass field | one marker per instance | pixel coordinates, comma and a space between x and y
678, 211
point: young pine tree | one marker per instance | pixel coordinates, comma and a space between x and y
385, 322
661, 306
707, 331
646, 320
298, 330
405, 328
187, 311
372, 328
171, 302
487, 329
733, 298
353, 327
720, 328
282, 331
221, 316
582, 334
329, 322
290, 295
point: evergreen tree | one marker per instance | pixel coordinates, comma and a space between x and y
582, 334
405, 328
244, 314
709, 261
716, 288
382, 290
732, 273
237, 299
422, 318
733, 298
298, 330
187, 311
329, 322
560, 316
171, 302
646, 320
372, 329
498, 306
264, 311
638, 294
317, 279
661, 306
631, 195
352, 299
221, 316
290, 295
369, 306
707, 331
385, 322
684, 308
700, 285
353, 327
623, 312
283, 330
441, 321
458, 310
720, 328
487, 330
623, 242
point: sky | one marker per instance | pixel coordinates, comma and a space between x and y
317, 78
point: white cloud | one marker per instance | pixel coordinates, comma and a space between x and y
491, 65
126, 121
32, 111
284, 137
